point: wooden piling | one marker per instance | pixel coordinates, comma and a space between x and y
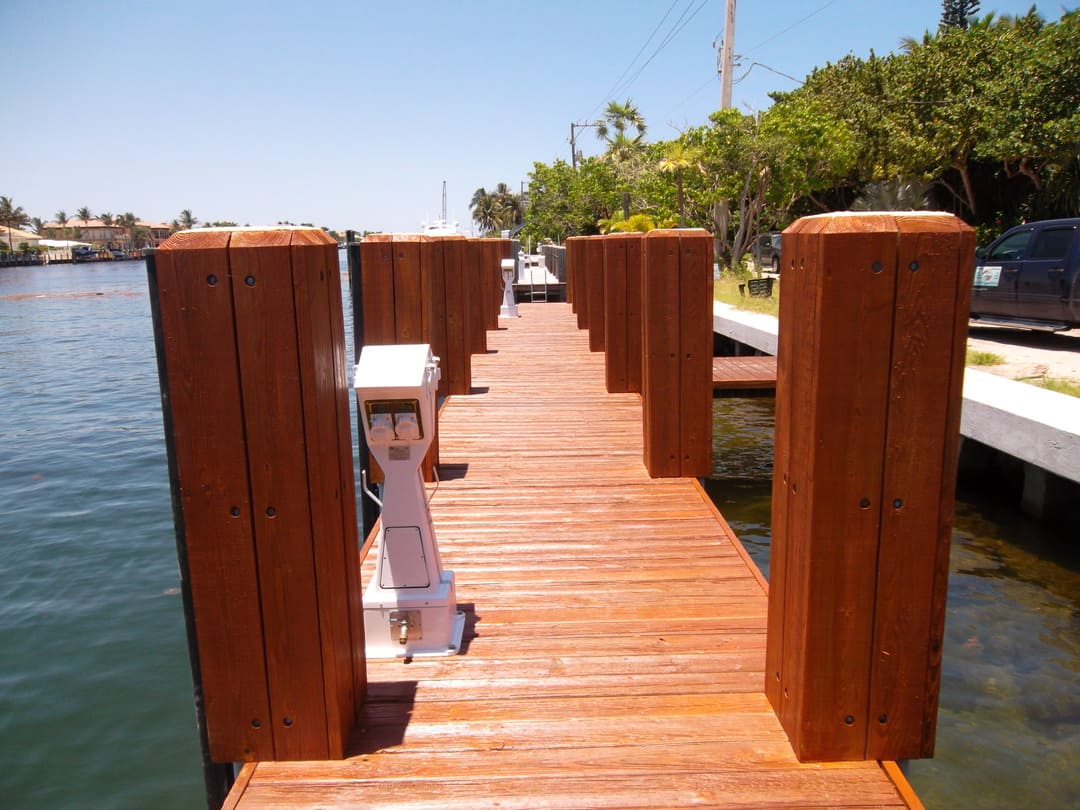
491, 252
444, 258
594, 290
575, 279
677, 290
873, 319
475, 296
409, 297
254, 390
404, 300
622, 312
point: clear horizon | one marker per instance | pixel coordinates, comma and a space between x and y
351, 115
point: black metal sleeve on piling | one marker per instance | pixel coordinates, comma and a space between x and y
369, 512
218, 777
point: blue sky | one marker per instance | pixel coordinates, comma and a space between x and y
351, 114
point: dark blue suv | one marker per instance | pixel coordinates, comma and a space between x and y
1030, 276
766, 251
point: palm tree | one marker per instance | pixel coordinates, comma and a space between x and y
13, 216
140, 235
509, 205
106, 219
62, 221
677, 158
620, 117
128, 221
187, 219
623, 149
478, 197
85, 215
496, 210
485, 210
901, 194
38, 224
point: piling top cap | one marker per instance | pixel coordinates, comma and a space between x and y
838, 222
246, 236
248, 228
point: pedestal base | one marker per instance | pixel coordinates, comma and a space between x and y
400, 624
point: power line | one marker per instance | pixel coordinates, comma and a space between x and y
772, 69
611, 93
673, 32
783, 31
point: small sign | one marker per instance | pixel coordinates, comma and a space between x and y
987, 276
399, 452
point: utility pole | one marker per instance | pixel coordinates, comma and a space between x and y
725, 62
726, 59
573, 139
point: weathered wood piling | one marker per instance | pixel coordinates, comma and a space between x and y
254, 392
873, 320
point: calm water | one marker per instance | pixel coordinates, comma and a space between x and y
1009, 716
95, 691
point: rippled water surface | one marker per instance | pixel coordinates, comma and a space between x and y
1009, 715
95, 691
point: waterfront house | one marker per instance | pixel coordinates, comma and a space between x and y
115, 236
13, 238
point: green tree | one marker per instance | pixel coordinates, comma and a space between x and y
1036, 134
496, 210
128, 221
85, 215
485, 210
551, 214
737, 171
106, 219
955, 13
38, 224
893, 195
567, 202
678, 158
139, 236
618, 118
510, 206
13, 216
62, 221
624, 151
187, 220
949, 89
810, 151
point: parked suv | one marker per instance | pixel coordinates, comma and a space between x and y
1030, 276
766, 251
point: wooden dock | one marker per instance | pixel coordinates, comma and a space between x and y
616, 628
744, 373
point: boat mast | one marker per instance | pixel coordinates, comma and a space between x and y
444, 201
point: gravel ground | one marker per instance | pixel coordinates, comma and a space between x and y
1029, 353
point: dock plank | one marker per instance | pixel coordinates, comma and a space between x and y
615, 643
744, 373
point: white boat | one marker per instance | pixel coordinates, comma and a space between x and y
441, 226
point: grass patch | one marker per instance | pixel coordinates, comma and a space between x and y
1062, 386
726, 290
977, 358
